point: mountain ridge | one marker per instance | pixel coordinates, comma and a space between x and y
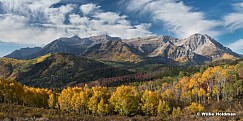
197, 48
57, 70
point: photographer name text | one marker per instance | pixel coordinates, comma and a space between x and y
216, 114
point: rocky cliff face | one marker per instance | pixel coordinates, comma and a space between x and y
206, 46
148, 45
197, 48
114, 51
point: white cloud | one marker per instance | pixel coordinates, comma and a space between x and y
233, 21
89, 8
237, 46
238, 6
35, 22
77, 20
57, 15
14, 29
176, 17
110, 23
20, 21
111, 18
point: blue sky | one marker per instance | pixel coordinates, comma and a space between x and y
38, 22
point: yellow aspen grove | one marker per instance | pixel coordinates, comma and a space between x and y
125, 100
185, 82
166, 100
168, 94
207, 74
216, 92
163, 108
52, 101
176, 112
36, 96
194, 108
201, 94
64, 100
83, 100
75, 102
98, 94
103, 107
150, 101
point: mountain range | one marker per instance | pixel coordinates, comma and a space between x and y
196, 49
104, 59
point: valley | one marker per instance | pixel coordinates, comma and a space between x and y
109, 78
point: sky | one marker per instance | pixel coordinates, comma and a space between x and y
37, 22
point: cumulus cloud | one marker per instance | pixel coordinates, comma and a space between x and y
57, 15
23, 21
89, 8
233, 21
75, 19
237, 46
37, 22
14, 29
101, 22
176, 16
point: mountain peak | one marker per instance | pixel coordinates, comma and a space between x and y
205, 45
198, 40
202, 37
104, 37
198, 34
110, 48
21, 53
76, 37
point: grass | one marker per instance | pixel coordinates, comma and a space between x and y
23, 113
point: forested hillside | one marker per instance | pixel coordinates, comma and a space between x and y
63, 70
56, 70
215, 89
121, 60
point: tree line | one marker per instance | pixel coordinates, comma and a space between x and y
187, 94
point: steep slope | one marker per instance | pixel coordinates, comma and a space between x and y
206, 46
23, 52
74, 45
179, 54
196, 49
149, 44
114, 51
56, 70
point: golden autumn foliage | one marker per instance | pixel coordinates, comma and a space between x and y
163, 108
150, 102
14, 92
194, 108
52, 101
125, 100
189, 93
176, 112
98, 102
